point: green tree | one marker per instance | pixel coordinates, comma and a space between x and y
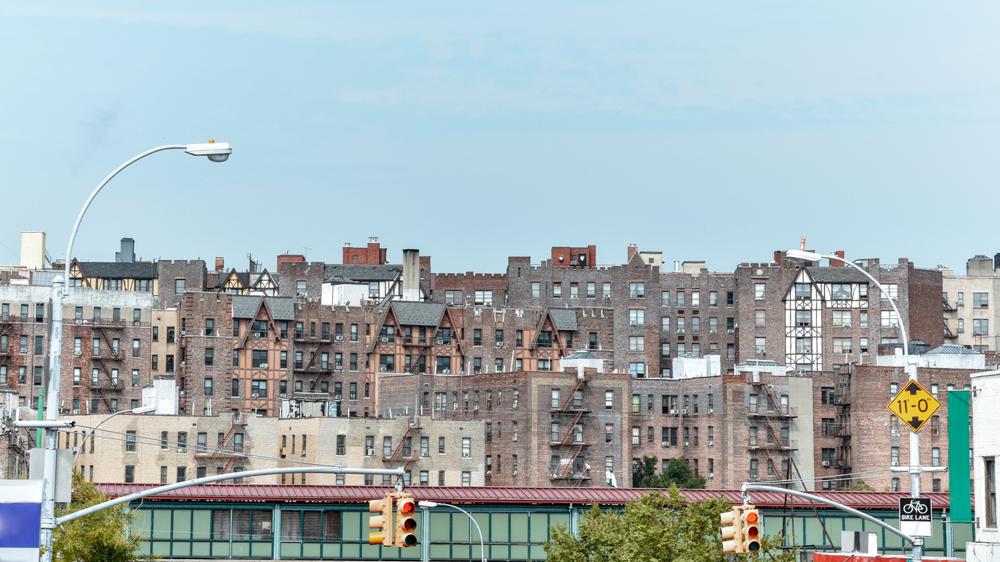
655, 528
99, 537
677, 473
858, 485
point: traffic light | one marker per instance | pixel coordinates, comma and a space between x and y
382, 521
406, 522
750, 529
731, 534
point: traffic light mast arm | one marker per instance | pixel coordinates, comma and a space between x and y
747, 487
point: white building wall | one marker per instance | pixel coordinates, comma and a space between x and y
985, 420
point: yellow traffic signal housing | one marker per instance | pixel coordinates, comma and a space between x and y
406, 521
731, 533
750, 529
382, 522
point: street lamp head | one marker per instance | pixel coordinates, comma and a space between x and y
143, 409
427, 504
803, 255
215, 151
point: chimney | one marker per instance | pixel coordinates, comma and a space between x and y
779, 256
633, 249
411, 275
220, 264
127, 253
840, 254
677, 266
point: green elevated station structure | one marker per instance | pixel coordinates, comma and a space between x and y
281, 522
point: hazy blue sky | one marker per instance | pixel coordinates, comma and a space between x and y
473, 131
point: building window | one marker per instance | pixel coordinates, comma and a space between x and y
466, 447
841, 318
258, 359
484, 298
990, 486
466, 478
129, 441
935, 456
760, 346
636, 343
637, 370
536, 289
980, 327
894, 456
209, 356
842, 345
889, 319
636, 317
758, 291
636, 290
129, 474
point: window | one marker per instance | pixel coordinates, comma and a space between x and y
209, 356
636, 343
466, 478
574, 292
980, 300
990, 486
695, 298
606, 290
129, 474
536, 289
637, 370
477, 337
609, 399
636, 403
636, 290
557, 290
841, 318
980, 327
760, 346
258, 359
636, 317
681, 299
591, 290
635, 435
827, 395
466, 447
842, 345
758, 291
129, 441
889, 319
935, 456
894, 456
760, 318
894, 485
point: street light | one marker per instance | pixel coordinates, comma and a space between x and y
482, 545
139, 410
911, 370
216, 152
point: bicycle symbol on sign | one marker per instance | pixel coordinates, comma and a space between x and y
915, 506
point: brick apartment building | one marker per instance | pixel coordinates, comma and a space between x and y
321, 340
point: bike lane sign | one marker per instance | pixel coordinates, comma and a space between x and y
915, 516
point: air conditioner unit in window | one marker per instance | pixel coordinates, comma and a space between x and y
338, 338
711, 443
711, 410
711, 475
282, 395
673, 411
183, 332
665, 443
826, 463
255, 395
337, 397
281, 452
303, 453
384, 339
685, 443
263, 366
183, 364
680, 330
338, 369
515, 473
684, 412
79, 321
371, 453
730, 331
499, 344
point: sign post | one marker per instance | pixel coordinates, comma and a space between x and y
913, 405
915, 516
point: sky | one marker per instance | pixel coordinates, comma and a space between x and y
718, 131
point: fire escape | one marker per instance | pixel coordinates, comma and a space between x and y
106, 360
767, 416
313, 346
842, 400
947, 307
403, 451
6, 329
573, 413
227, 450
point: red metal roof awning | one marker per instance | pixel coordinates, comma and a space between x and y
260, 493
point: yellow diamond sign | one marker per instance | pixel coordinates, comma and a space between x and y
914, 405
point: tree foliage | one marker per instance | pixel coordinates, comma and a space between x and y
655, 528
99, 537
858, 485
677, 473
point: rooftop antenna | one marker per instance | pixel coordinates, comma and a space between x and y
802, 243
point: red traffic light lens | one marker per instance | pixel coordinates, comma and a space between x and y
407, 507
409, 524
753, 532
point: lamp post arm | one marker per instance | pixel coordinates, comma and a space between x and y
482, 544
90, 434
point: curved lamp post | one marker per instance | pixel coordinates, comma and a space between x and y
911, 370
482, 544
216, 152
